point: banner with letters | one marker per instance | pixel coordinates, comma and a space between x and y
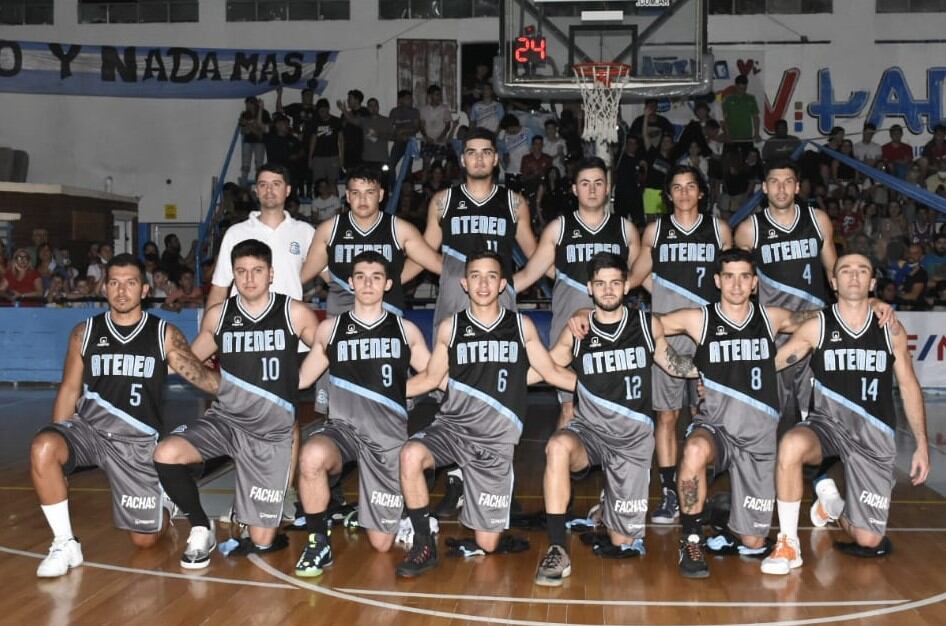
157, 72
926, 339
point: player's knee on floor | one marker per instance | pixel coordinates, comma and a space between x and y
143, 541
488, 541
381, 542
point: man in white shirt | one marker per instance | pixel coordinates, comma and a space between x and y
436, 124
487, 112
866, 150
554, 146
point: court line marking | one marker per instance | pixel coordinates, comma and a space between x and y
329, 591
656, 603
158, 573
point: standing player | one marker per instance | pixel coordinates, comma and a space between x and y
794, 252
854, 361
484, 353
569, 243
677, 264
367, 352
256, 334
476, 215
614, 424
736, 428
107, 413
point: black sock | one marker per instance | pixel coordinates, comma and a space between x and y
555, 524
691, 524
180, 486
316, 523
420, 520
668, 478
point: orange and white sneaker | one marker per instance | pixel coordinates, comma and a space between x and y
784, 558
828, 506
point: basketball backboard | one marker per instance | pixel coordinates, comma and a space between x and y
662, 40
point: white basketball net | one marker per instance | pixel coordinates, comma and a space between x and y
601, 85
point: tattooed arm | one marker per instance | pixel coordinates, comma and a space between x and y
803, 341
669, 359
182, 360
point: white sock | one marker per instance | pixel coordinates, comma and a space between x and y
57, 516
788, 518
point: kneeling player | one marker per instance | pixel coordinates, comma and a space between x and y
854, 361
256, 334
107, 413
485, 353
367, 352
613, 425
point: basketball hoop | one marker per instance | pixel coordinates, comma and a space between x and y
601, 84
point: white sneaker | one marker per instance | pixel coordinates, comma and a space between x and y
405, 531
200, 543
63, 556
784, 558
828, 506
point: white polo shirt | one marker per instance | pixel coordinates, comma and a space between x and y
289, 242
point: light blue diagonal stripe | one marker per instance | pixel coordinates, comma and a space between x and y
616, 408
258, 391
492, 402
856, 408
798, 293
741, 397
686, 293
571, 282
117, 412
368, 395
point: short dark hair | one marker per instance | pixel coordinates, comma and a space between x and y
370, 256
357, 95
433, 89
482, 253
550, 123
607, 261
870, 261
591, 163
167, 239
322, 102
734, 255
480, 133
742, 80
896, 127
781, 164
404, 92
365, 172
307, 90
274, 168
870, 126
252, 248
509, 120
675, 171
126, 260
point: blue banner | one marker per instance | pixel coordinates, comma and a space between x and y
155, 72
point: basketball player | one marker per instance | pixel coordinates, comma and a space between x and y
736, 428
677, 264
367, 352
794, 252
485, 353
614, 424
854, 361
256, 334
568, 243
107, 413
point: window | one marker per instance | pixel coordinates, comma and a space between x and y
911, 6
774, 7
282, 10
427, 9
137, 11
13, 12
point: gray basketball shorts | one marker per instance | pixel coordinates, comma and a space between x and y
868, 475
565, 302
626, 474
670, 393
794, 386
137, 497
487, 474
379, 489
751, 476
262, 467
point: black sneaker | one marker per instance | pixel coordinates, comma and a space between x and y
452, 499
692, 562
316, 556
421, 557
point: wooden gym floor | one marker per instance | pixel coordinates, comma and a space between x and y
119, 585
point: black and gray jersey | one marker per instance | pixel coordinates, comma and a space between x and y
788, 261
577, 243
684, 261
123, 373
347, 241
470, 225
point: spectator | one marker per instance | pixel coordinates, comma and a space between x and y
911, 280
866, 149
171, 259
887, 292
301, 113
851, 221
737, 183
46, 264
410, 209
152, 263
514, 142
741, 117
894, 225
436, 124
781, 145
841, 173
921, 227
435, 179
149, 247
898, 155
650, 126
555, 197
659, 164
3, 257
487, 112
55, 294
207, 267
628, 197
405, 123
81, 296
935, 148
96, 270
934, 261
937, 176
66, 268
254, 120
284, 148
326, 145
352, 133
534, 166
22, 280
871, 226
554, 145
376, 131
326, 204
472, 88
161, 284
694, 157
186, 296
39, 237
